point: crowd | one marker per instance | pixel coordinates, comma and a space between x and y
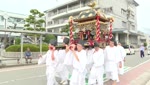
79, 61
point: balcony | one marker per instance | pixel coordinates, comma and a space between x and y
56, 25
142, 38
69, 12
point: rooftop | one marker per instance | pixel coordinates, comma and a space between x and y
13, 13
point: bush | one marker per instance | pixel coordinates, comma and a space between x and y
44, 47
33, 48
49, 37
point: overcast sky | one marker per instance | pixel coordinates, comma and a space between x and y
23, 7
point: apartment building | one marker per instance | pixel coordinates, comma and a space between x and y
123, 11
9, 20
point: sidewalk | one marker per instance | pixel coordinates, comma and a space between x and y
14, 63
139, 75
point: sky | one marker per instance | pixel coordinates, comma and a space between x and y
23, 7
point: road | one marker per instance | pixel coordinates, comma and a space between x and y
35, 75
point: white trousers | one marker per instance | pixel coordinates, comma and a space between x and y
50, 73
112, 75
96, 73
62, 72
77, 78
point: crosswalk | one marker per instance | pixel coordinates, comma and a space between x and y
126, 69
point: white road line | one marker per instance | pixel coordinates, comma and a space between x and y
22, 79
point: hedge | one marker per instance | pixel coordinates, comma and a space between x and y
33, 48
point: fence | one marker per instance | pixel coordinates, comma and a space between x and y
18, 54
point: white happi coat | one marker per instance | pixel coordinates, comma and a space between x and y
97, 70
61, 68
79, 68
50, 66
121, 55
111, 62
89, 53
68, 62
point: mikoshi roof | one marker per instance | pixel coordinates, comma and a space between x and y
91, 14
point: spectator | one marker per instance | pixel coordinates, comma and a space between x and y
142, 51
28, 55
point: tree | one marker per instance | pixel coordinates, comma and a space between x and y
145, 44
48, 38
17, 41
65, 29
34, 22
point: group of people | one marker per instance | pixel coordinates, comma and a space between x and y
78, 61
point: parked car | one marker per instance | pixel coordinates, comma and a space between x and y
148, 50
129, 49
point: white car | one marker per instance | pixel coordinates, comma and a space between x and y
129, 49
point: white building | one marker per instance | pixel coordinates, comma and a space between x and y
9, 20
123, 11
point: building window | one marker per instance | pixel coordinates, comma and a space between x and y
124, 24
1, 18
49, 23
132, 16
133, 27
108, 10
49, 30
62, 10
123, 12
16, 20
74, 6
50, 14
1, 26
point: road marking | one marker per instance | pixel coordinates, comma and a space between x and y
39, 76
22, 79
20, 68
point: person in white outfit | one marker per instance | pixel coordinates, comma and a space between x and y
111, 62
97, 71
51, 60
89, 53
79, 64
62, 69
121, 55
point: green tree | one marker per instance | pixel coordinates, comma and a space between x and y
65, 29
49, 37
145, 44
17, 41
34, 22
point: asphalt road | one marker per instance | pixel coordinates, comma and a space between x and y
35, 75
134, 60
